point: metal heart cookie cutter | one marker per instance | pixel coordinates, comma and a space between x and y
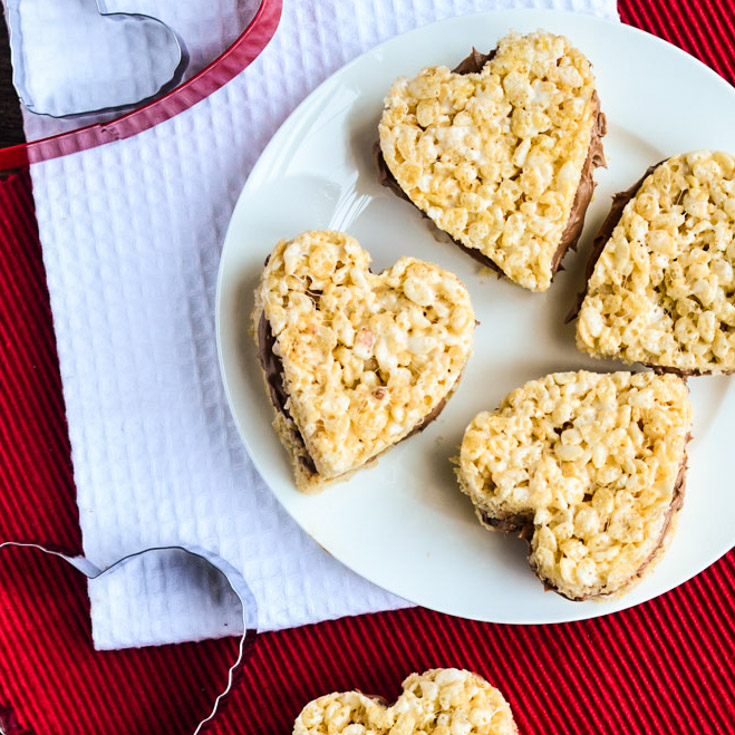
76, 56
203, 565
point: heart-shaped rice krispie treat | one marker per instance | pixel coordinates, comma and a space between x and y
500, 152
355, 361
437, 702
589, 468
661, 288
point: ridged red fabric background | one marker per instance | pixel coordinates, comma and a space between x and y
667, 666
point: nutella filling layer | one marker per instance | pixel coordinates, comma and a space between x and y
273, 370
473, 64
272, 367
677, 501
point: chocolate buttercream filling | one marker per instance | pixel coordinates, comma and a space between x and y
272, 366
473, 64
583, 197
523, 526
677, 501
273, 370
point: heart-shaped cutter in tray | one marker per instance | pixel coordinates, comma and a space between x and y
237, 57
234, 580
94, 51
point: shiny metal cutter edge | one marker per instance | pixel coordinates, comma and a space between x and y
18, 62
232, 576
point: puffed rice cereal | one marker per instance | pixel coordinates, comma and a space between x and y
496, 158
437, 702
662, 292
589, 467
355, 361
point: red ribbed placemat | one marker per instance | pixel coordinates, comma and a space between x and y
667, 666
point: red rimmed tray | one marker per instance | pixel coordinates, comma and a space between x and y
239, 55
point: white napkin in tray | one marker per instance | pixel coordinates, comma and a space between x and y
131, 235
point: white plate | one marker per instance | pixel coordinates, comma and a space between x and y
403, 524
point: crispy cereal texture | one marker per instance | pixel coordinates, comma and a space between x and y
437, 702
590, 466
663, 290
366, 358
495, 159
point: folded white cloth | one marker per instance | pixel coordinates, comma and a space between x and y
131, 236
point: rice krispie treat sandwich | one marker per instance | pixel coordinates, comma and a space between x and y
589, 468
355, 361
661, 281
500, 152
437, 702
